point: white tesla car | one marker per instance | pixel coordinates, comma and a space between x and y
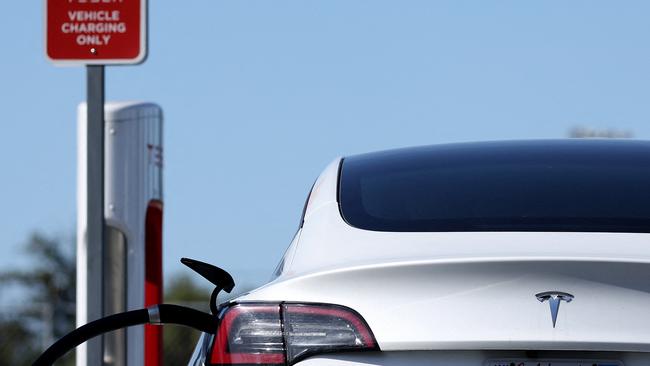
532, 253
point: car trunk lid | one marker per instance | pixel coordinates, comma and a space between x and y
485, 303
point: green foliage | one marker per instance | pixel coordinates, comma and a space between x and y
183, 289
16, 344
179, 342
48, 310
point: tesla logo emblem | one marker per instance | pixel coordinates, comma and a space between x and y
554, 299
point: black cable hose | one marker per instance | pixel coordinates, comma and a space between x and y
169, 314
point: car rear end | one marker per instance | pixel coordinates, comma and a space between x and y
445, 312
497, 254
478, 312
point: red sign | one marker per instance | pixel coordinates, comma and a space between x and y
96, 32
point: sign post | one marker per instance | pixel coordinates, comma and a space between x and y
95, 33
95, 248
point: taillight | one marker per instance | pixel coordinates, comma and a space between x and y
249, 334
282, 334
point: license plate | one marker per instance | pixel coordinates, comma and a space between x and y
524, 362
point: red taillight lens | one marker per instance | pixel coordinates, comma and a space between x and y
313, 329
281, 334
249, 334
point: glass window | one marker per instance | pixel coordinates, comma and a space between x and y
564, 185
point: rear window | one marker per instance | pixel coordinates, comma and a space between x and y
570, 185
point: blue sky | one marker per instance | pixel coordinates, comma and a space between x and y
260, 95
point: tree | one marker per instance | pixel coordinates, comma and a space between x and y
48, 310
16, 343
586, 133
179, 342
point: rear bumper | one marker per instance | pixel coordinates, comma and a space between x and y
445, 358
468, 358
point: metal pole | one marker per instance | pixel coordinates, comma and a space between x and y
95, 206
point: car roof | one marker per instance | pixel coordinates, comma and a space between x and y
552, 148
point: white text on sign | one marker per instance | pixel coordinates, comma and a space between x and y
87, 23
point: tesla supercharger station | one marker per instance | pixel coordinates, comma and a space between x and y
132, 263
